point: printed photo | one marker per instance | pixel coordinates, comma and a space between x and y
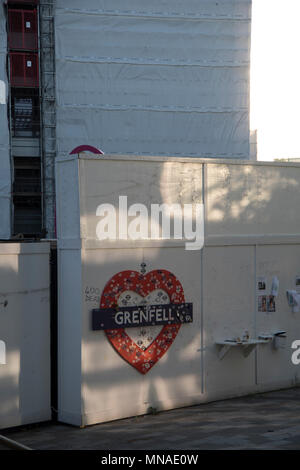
262, 303
261, 285
271, 304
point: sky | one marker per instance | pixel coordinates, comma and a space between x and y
275, 78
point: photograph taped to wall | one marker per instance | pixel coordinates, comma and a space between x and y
261, 284
271, 306
262, 303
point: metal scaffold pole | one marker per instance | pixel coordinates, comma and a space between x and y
48, 114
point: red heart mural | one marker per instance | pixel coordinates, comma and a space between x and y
131, 286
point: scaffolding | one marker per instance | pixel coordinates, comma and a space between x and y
48, 114
24, 119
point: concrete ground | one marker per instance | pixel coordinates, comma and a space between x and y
264, 421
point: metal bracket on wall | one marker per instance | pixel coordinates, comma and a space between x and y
247, 346
278, 338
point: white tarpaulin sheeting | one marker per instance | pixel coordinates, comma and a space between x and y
168, 78
5, 172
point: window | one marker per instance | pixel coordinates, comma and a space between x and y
25, 112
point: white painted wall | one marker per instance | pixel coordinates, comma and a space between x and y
251, 229
25, 330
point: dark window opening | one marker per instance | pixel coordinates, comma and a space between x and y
25, 113
27, 196
27, 176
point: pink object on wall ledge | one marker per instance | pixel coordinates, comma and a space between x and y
86, 148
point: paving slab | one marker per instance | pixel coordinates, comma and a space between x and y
263, 421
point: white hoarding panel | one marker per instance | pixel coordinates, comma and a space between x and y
274, 363
25, 331
145, 183
245, 200
228, 285
145, 323
175, 378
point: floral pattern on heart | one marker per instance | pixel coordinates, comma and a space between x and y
161, 281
